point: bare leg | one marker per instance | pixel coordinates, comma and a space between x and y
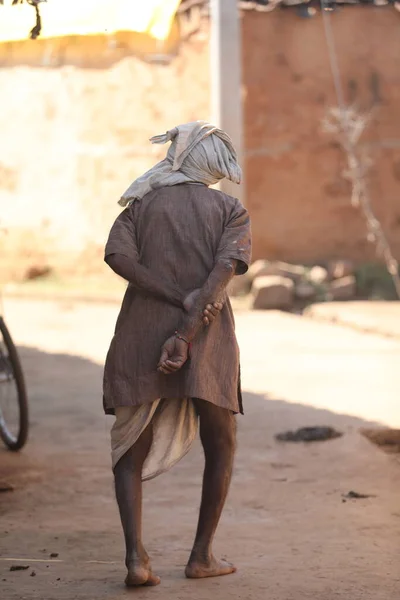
128, 489
218, 434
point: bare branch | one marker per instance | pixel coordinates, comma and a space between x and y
348, 126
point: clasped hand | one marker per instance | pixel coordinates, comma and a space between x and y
175, 351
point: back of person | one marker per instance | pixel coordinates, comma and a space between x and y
178, 233
179, 230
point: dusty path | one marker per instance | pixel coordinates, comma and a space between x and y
285, 524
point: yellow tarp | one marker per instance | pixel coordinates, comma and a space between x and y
88, 17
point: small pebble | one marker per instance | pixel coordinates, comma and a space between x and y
6, 487
357, 495
58, 578
54, 555
33, 574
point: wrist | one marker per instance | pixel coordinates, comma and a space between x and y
189, 326
183, 337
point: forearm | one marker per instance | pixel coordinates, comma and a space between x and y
143, 279
211, 291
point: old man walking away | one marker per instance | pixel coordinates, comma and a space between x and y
174, 359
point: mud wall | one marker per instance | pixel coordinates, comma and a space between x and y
75, 121
298, 197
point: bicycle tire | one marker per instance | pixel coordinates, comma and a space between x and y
17, 442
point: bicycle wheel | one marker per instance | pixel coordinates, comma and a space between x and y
13, 400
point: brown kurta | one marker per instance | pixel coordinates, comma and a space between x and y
178, 232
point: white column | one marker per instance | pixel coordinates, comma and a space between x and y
226, 79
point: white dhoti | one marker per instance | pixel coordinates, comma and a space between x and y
174, 423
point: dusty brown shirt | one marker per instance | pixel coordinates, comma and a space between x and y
179, 233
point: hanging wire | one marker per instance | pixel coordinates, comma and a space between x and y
330, 42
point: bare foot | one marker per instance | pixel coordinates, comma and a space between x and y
141, 574
212, 568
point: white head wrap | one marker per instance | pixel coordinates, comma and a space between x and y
199, 153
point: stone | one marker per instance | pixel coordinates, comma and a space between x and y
273, 292
317, 275
36, 272
263, 268
305, 290
5, 486
340, 268
239, 286
342, 289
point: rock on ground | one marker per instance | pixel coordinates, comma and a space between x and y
273, 292
317, 275
342, 289
340, 268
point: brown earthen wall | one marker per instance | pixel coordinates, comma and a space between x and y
299, 200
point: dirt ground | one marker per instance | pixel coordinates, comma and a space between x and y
286, 524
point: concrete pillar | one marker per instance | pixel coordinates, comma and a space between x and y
226, 79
